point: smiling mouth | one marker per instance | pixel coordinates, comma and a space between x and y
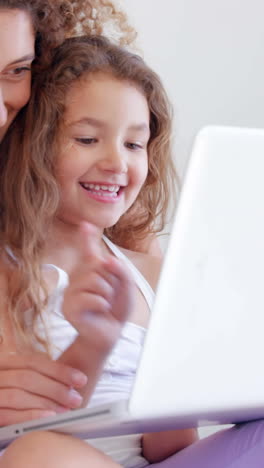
110, 191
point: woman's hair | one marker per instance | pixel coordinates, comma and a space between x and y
29, 195
56, 20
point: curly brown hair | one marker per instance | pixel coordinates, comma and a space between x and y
56, 20
29, 195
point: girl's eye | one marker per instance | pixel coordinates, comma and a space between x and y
133, 146
86, 141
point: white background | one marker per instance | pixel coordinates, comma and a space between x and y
209, 54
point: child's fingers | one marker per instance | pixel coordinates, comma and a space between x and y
118, 270
94, 321
84, 303
124, 286
88, 242
96, 283
107, 275
99, 287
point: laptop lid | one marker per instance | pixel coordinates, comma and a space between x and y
204, 350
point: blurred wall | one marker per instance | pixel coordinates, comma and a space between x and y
210, 56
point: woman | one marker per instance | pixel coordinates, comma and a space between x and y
32, 28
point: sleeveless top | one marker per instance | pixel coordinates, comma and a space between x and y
119, 371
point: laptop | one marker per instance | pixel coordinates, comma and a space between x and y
202, 361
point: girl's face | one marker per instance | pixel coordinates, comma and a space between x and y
103, 161
16, 54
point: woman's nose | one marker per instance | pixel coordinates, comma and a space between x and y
3, 109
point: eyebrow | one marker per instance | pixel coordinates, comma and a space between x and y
99, 124
25, 58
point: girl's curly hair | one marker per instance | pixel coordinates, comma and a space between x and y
56, 20
29, 194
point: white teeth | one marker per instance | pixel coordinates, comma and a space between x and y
109, 188
104, 194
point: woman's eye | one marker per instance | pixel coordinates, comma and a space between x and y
19, 71
86, 141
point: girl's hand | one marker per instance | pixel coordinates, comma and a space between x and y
97, 302
33, 386
101, 293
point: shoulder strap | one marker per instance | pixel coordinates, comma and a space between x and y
63, 277
140, 280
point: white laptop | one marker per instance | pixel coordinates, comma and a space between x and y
202, 361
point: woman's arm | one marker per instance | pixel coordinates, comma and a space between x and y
160, 445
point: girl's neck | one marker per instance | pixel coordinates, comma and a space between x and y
68, 232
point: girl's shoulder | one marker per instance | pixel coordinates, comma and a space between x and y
148, 265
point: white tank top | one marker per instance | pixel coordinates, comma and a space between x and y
119, 371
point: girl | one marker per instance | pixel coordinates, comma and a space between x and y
31, 29
86, 166
95, 148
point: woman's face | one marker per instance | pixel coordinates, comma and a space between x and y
17, 41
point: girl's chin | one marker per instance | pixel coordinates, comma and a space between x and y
101, 224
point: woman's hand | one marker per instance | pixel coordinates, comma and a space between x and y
33, 386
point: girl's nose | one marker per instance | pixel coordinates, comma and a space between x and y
114, 160
3, 110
